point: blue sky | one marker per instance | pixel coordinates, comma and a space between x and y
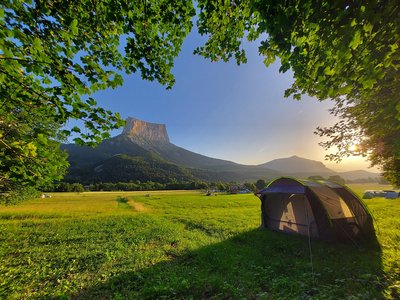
227, 111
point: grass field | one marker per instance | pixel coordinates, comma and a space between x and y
126, 245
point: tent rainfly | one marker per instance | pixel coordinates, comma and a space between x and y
323, 209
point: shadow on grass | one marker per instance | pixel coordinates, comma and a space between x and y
253, 265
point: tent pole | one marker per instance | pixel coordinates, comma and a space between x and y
309, 242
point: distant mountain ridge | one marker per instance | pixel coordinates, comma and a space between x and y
358, 174
302, 167
295, 164
143, 152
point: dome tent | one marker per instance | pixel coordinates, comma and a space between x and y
318, 209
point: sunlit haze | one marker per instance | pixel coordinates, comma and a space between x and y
226, 111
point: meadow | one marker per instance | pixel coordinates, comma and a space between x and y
183, 245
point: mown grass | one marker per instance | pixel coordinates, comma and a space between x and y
182, 245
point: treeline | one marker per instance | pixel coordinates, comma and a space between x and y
231, 187
151, 186
338, 179
378, 180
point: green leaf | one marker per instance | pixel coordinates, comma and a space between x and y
37, 45
74, 27
76, 129
368, 83
345, 90
368, 27
356, 41
328, 71
394, 47
269, 60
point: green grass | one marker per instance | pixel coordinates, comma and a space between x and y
182, 245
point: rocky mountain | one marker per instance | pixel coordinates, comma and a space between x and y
145, 133
149, 143
143, 151
154, 137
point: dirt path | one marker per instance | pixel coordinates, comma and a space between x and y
138, 206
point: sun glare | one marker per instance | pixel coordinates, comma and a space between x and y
353, 148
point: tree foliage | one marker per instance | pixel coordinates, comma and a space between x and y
347, 51
260, 184
54, 54
63, 51
337, 179
29, 150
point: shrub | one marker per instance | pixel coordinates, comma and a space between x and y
18, 195
122, 199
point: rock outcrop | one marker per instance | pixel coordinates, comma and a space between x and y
145, 132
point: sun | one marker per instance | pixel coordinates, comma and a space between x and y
353, 148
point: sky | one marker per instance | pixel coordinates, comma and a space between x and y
231, 112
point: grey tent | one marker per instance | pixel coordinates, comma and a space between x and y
391, 194
323, 209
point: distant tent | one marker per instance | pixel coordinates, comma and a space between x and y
374, 194
368, 195
323, 209
391, 195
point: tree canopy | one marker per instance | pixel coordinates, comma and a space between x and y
54, 54
347, 51
260, 184
29, 151
60, 52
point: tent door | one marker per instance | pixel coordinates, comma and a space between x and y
291, 214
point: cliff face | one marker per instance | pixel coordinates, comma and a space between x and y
154, 137
141, 131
